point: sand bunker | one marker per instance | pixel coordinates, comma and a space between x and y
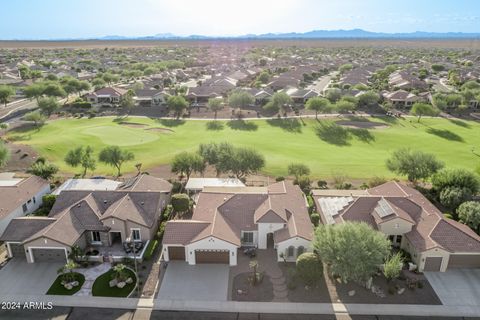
361, 124
133, 124
161, 130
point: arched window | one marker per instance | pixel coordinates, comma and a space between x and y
300, 250
290, 251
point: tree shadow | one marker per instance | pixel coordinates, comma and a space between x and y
214, 125
445, 134
388, 119
242, 125
171, 122
289, 125
460, 123
363, 135
332, 133
20, 137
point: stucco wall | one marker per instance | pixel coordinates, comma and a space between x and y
296, 242
395, 226
264, 229
211, 243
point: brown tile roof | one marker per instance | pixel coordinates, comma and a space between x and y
145, 182
23, 228
181, 232
13, 197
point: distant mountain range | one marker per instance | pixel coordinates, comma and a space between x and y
315, 34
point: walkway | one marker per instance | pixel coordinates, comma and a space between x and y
90, 275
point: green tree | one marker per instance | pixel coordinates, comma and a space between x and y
185, 163
217, 155
128, 102
469, 213
82, 157
309, 268
98, 83
344, 106
53, 89
353, 251
279, 102
34, 91
459, 178
318, 104
423, 109
298, 170
393, 266
178, 104
43, 169
48, 105
24, 72
240, 99
36, 117
215, 105
245, 161
334, 95
414, 164
115, 157
368, 98
181, 202
345, 67
452, 197
6, 92
4, 154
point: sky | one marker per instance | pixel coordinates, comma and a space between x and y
54, 19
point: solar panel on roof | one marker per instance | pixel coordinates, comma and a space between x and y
383, 209
331, 206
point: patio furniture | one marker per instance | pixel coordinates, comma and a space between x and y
251, 252
126, 247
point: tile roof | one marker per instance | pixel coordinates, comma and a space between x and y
14, 196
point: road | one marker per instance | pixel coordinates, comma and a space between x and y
67, 313
17, 107
321, 84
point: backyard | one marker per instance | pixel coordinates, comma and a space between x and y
356, 147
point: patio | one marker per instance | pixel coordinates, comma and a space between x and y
117, 251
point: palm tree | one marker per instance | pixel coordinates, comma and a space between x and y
254, 265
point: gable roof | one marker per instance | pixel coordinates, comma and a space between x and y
13, 196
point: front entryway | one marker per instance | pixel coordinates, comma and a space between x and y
115, 237
270, 242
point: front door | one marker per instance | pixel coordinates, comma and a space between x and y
270, 241
115, 237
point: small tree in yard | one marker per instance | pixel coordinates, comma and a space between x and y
240, 99
43, 169
255, 276
66, 271
48, 105
393, 266
414, 164
180, 203
309, 268
469, 213
452, 197
353, 251
81, 157
119, 272
36, 117
459, 178
215, 105
115, 157
178, 104
298, 170
185, 163
318, 104
423, 109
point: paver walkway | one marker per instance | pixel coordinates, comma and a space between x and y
90, 275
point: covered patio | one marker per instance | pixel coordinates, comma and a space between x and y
117, 251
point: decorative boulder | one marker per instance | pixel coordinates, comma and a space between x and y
401, 290
129, 280
121, 284
351, 293
68, 286
75, 283
113, 283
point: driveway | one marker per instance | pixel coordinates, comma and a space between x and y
182, 281
21, 278
456, 287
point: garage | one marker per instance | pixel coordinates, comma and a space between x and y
176, 253
212, 256
464, 261
17, 250
49, 255
433, 264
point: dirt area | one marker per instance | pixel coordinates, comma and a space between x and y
21, 157
361, 124
244, 291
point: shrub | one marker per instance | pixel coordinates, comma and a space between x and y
315, 218
176, 187
180, 202
278, 179
452, 197
322, 184
376, 181
161, 230
48, 201
393, 266
309, 268
152, 246
167, 212
304, 184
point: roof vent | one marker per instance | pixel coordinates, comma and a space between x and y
142, 203
105, 201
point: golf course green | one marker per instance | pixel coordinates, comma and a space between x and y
357, 148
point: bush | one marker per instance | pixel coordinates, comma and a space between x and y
176, 187
393, 266
180, 202
167, 212
376, 181
161, 230
309, 268
322, 184
48, 201
152, 246
278, 179
315, 218
452, 197
304, 184
81, 105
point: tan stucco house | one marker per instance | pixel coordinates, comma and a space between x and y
409, 220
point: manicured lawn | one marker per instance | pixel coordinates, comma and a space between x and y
58, 289
101, 285
326, 149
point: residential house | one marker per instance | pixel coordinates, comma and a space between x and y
20, 196
109, 96
226, 219
98, 219
149, 98
400, 98
409, 220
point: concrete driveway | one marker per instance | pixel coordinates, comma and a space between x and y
199, 282
21, 278
459, 287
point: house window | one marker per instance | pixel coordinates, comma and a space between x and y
290, 252
136, 235
34, 200
247, 237
24, 207
300, 250
96, 237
